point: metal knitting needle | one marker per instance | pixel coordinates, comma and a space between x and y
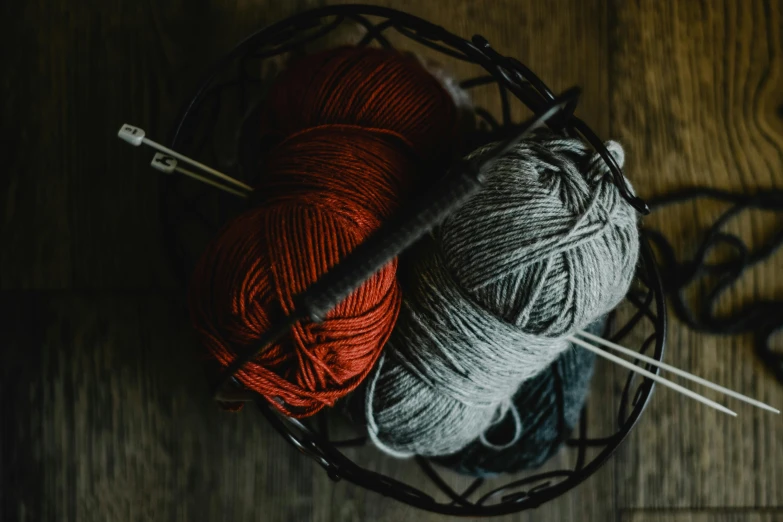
650, 375
136, 137
168, 165
677, 371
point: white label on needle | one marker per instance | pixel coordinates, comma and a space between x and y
163, 163
131, 134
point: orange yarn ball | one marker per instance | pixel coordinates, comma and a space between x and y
353, 128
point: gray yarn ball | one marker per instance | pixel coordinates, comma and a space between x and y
550, 405
543, 250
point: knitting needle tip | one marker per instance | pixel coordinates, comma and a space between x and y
677, 371
657, 378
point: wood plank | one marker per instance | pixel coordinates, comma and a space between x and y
81, 208
696, 89
107, 417
703, 516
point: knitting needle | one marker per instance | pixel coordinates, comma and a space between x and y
168, 165
136, 136
650, 375
677, 371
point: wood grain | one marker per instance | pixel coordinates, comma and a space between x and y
104, 409
695, 92
109, 418
81, 207
703, 516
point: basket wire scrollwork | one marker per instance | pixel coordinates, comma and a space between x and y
219, 126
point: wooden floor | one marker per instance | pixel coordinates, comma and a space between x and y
105, 416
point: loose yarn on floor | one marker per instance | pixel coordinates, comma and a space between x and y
545, 248
352, 131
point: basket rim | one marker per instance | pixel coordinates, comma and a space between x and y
533, 94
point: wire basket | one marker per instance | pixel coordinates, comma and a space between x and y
219, 126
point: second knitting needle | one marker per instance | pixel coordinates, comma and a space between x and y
168, 165
650, 375
677, 371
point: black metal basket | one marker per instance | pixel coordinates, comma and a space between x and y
219, 126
